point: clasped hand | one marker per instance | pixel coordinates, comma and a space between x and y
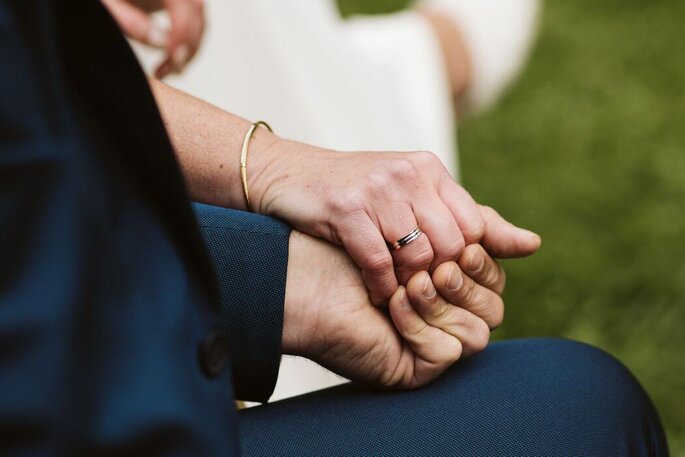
442, 290
428, 325
365, 200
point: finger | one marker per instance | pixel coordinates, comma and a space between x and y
367, 248
460, 290
472, 331
137, 24
482, 268
434, 349
464, 210
164, 69
504, 240
442, 232
150, 5
187, 28
396, 222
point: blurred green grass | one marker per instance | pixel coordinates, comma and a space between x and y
588, 149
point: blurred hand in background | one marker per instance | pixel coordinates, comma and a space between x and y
180, 41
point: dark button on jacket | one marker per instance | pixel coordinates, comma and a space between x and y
214, 354
106, 288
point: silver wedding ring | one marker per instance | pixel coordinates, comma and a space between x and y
405, 240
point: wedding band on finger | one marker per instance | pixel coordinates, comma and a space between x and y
407, 239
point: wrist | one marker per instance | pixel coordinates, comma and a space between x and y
300, 315
262, 148
280, 172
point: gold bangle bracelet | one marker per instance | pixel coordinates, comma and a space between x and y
243, 159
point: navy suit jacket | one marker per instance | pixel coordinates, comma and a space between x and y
114, 324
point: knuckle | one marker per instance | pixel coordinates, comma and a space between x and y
417, 262
378, 263
403, 169
503, 280
427, 158
491, 276
481, 336
459, 317
497, 314
487, 211
453, 250
377, 184
454, 352
474, 231
344, 203
423, 258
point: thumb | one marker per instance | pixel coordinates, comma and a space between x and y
503, 239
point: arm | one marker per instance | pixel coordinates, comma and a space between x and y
207, 141
250, 257
359, 200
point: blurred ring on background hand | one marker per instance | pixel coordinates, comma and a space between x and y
407, 239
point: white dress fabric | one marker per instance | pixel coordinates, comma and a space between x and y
374, 83
366, 83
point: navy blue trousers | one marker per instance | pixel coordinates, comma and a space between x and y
532, 397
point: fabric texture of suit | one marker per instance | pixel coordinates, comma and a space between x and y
249, 254
114, 331
518, 398
110, 326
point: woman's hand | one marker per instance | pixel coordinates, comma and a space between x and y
360, 200
181, 42
365, 200
428, 326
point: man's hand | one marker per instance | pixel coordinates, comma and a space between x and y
428, 325
364, 200
180, 42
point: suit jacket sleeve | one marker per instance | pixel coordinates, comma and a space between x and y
250, 256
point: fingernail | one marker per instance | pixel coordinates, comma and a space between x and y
477, 263
164, 70
404, 300
531, 234
180, 57
428, 289
454, 279
158, 37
